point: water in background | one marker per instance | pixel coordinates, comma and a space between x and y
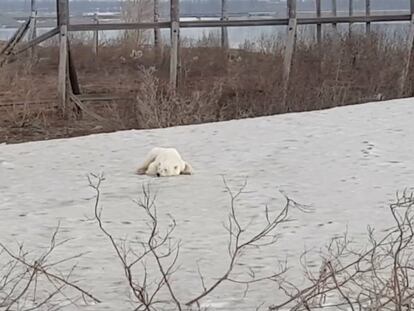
394, 31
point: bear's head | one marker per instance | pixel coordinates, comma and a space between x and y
165, 169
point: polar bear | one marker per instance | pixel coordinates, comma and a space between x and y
164, 162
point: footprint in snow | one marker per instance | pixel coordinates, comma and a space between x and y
6, 164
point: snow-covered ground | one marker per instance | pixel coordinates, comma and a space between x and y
347, 163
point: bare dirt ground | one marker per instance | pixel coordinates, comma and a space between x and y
214, 85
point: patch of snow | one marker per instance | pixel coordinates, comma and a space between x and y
347, 163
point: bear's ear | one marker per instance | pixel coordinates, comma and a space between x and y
188, 170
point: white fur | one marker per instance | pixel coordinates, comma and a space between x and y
163, 162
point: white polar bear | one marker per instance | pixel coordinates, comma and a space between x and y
163, 162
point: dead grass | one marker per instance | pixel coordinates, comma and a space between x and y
214, 85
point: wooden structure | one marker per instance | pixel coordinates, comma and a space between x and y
318, 26
290, 48
68, 87
224, 31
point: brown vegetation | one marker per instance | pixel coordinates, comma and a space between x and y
215, 85
377, 277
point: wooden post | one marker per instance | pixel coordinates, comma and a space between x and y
96, 35
409, 57
411, 7
224, 31
157, 32
175, 42
289, 50
32, 5
66, 65
73, 76
63, 66
62, 12
368, 13
334, 13
74, 88
33, 26
351, 13
318, 26
62, 21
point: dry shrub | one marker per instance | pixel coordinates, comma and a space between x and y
33, 280
375, 277
158, 105
150, 266
215, 84
345, 71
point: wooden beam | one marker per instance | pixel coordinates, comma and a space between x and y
318, 26
8, 50
239, 15
82, 108
38, 40
118, 26
16, 38
245, 23
104, 97
92, 98
175, 42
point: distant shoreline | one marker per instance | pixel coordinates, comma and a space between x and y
8, 21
